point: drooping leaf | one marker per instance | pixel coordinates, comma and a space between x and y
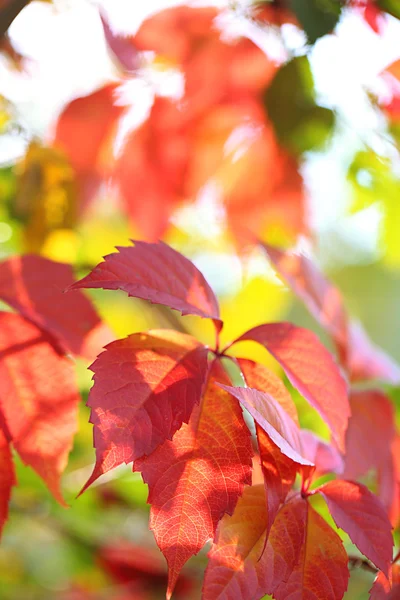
38, 398
272, 418
317, 18
7, 478
358, 511
321, 572
300, 124
34, 286
198, 476
370, 433
310, 368
157, 273
145, 387
235, 570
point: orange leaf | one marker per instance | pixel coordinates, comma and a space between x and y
197, 477
39, 398
145, 387
235, 570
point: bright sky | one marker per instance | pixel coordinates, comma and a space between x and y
69, 58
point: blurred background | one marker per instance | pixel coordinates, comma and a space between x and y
207, 125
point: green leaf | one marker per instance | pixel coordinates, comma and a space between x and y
317, 17
300, 124
390, 6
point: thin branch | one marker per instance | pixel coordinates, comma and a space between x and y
356, 562
8, 14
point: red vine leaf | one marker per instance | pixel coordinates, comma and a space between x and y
198, 476
145, 387
384, 588
34, 286
235, 570
360, 514
39, 398
321, 572
310, 368
326, 457
157, 273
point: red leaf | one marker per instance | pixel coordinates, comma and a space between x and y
360, 357
261, 378
7, 478
34, 286
272, 418
326, 457
321, 572
279, 471
389, 482
310, 368
145, 387
84, 130
383, 589
38, 398
370, 433
235, 570
360, 514
157, 273
197, 477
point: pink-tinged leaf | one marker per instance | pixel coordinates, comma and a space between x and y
384, 588
370, 433
321, 572
310, 368
261, 378
361, 515
272, 418
279, 471
145, 387
365, 361
39, 398
122, 47
235, 570
326, 457
7, 478
157, 273
34, 286
322, 299
197, 477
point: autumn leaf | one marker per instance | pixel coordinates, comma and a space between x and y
157, 273
7, 478
326, 457
310, 368
235, 570
198, 476
360, 514
34, 286
321, 572
383, 589
39, 398
84, 132
145, 387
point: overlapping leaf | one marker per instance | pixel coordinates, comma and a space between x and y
326, 457
157, 273
358, 512
235, 570
198, 476
38, 398
34, 286
310, 368
384, 588
145, 387
321, 572
7, 478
